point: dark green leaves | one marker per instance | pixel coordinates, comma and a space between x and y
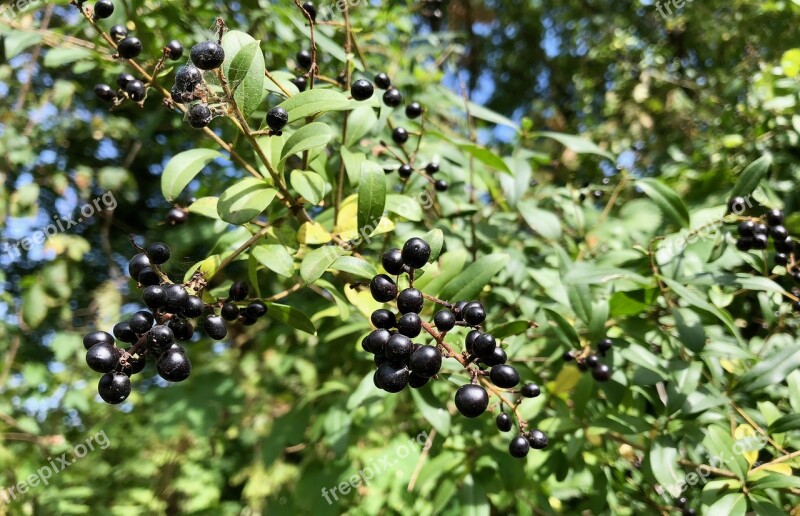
471, 281
667, 200
751, 176
291, 316
244, 69
245, 200
371, 197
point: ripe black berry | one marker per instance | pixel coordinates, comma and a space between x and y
781, 259
256, 309
604, 345
382, 81
474, 314
383, 288
383, 318
103, 357
399, 135
277, 118
405, 171
736, 205
469, 342
187, 78
746, 228
215, 327
431, 168
392, 378
774, 217
129, 47
537, 439
745, 243
592, 360
779, 233
118, 32
441, 185
376, 341
229, 312
361, 89
193, 307
410, 300
503, 422
311, 9
392, 97
300, 83
154, 296
137, 263
518, 447
413, 110
530, 390
105, 93
177, 216
392, 261
123, 332
103, 9
114, 388
134, 365
97, 337
182, 329
207, 55
760, 241
444, 320
410, 325
176, 298
160, 337
199, 116
504, 376
148, 277
760, 229
484, 345
601, 373
681, 502
416, 252
158, 253
238, 291
141, 321
174, 50
497, 357
426, 361
784, 246
398, 349
471, 400
415, 381
303, 59
174, 366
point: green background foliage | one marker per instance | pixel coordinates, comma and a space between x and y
665, 118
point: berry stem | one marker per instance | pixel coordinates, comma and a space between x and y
437, 300
242, 248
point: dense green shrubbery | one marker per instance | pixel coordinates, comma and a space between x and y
265, 173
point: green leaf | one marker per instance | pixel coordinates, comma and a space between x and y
690, 329
359, 123
318, 261
773, 369
435, 239
785, 423
486, 157
245, 200
509, 329
276, 258
432, 410
752, 176
244, 69
405, 206
34, 305
694, 299
308, 184
576, 144
64, 55
352, 164
371, 197
308, 137
316, 101
580, 298
205, 206
356, 266
564, 329
541, 221
16, 41
291, 316
734, 504
182, 168
667, 200
470, 282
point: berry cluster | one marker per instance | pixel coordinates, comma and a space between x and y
586, 360
154, 332
755, 232
402, 362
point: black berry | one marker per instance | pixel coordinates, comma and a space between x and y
383, 288
303, 59
592, 360
300, 82
134, 365
229, 312
469, 342
399, 135
135, 90
207, 55
416, 253
444, 320
174, 366
174, 50
392, 261
118, 32
361, 89
193, 307
426, 361
383, 318
148, 277
474, 314
158, 253
441, 185
382, 81
537, 439
137, 263
392, 378
601, 373
141, 321
497, 357
392, 97
518, 447
774, 217
103, 357
154, 296
199, 116
215, 327
177, 216
187, 78
256, 309
781, 259
604, 345
277, 118
114, 388
410, 300
398, 349
484, 345
760, 241
415, 381
311, 9
129, 47
105, 93
746, 228
182, 329
410, 325
176, 298
471, 400
784, 246
97, 337
778, 233
124, 333
530, 390
405, 171
736, 205
160, 337
745, 243
413, 110
238, 291
376, 341
103, 9
504, 376
431, 168
503, 422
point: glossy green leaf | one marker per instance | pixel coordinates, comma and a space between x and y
356, 266
308, 137
470, 282
244, 70
308, 184
291, 316
316, 262
182, 168
576, 144
314, 102
371, 197
245, 200
752, 175
275, 257
666, 199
